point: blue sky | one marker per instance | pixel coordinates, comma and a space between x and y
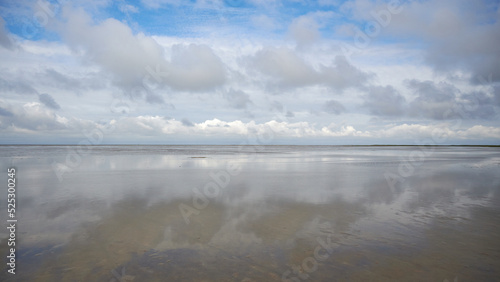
236, 71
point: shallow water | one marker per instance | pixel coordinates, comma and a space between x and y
254, 213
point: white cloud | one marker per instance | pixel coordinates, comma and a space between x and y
480, 132
127, 9
112, 45
32, 118
155, 4
305, 29
264, 22
137, 61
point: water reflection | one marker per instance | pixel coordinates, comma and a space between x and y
117, 213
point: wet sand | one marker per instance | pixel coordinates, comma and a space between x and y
255, 213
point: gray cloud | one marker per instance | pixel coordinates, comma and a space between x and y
460, 34
478, 105
62, 80
48, 101
342, 74
5, 113
432, 100
496, 93
287, 69
436, 100
333, 107
237, 99
5, 39
16, 86
275, 105
384, 101
82, 81
284, 67
195, 67
154, 98
187, 122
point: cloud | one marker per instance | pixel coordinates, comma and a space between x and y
440, 133
480, 132
181, 56
186, 122
48, 101
5, 113
460, 35
433, 100
333, 107
444, 101
62, 80
128, 9
155, 4
384, 101
237, 99
17, 86
5, 40
112, 45
264, 22
496, 94
137, 61
341, 74
329, 2
31, 117
75, 82
305, 29
461, 39
195, 67
479, 104
343, 131
275, 105
285, 68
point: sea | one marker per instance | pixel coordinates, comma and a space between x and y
250, 213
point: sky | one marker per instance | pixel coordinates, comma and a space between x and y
357, 72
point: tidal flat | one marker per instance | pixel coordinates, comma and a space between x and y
253, 213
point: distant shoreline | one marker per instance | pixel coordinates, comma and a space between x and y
249, 145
